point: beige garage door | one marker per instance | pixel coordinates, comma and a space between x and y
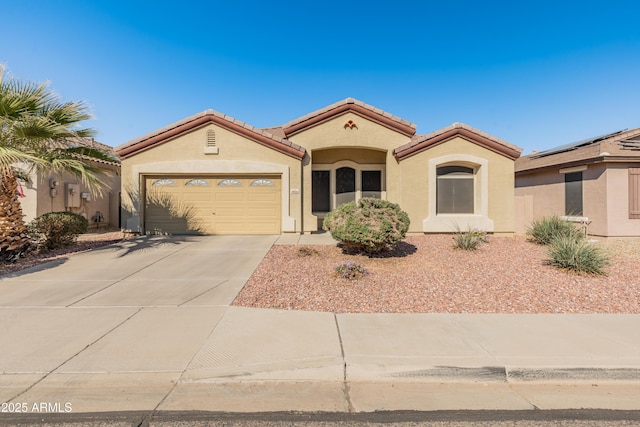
220, 204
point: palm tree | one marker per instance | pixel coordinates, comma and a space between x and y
38, 133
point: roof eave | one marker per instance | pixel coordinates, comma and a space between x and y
386, 120
200, 121
409, 150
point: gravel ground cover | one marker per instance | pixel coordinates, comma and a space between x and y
426, 275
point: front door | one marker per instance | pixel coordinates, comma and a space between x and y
321, 191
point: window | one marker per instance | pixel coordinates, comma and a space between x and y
163, 182
454, 190
196, 183
345, 180
261, 183
573, 194
634, 193
371, 181
229, 183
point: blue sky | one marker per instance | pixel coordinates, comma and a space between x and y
537, 74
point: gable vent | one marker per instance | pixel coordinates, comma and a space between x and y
211, 138
210, 147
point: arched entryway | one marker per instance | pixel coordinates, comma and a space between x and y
342, 175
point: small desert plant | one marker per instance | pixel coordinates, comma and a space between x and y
57, 229
370, 225
577, 255
304, 251
469, 240
544, 230
350, 270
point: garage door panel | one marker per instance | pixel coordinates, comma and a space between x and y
231, 211
229, 196
270, 213
195, 204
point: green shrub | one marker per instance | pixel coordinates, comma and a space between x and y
350, 270
469, 240
544, 230
371, 225
577, 255
57, 229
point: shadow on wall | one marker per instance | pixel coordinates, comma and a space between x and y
165, 213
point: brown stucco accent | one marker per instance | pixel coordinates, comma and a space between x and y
431, 141
235, 126
381, 118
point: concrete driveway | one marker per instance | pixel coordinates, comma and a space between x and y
124, 318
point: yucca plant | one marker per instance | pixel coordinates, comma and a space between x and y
577, 255
469, 240
544, 230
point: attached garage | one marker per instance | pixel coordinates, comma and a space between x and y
213, 204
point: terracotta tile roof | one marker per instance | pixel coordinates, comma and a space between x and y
353, 105
196, 121
88, 143
607, 148
419, 143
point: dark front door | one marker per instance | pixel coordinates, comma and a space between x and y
320, 191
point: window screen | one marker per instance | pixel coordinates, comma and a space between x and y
454, 190
573, 194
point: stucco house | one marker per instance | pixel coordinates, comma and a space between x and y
65, 192
595, 181
211, 173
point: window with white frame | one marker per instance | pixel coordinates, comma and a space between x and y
455, 190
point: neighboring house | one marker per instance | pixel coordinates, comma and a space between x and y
211, 173
65, 192
595, 181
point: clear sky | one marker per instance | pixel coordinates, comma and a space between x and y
537, 74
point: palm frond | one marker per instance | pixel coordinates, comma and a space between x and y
9, 156
94, 178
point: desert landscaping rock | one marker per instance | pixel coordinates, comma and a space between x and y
425, 274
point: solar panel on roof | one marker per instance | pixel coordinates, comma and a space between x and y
574, 145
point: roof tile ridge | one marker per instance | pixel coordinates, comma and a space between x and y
417, 139
317, 112
168, 128
208, 112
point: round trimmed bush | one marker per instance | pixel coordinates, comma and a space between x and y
57, 229
370, 225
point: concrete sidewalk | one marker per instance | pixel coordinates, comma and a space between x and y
147, 325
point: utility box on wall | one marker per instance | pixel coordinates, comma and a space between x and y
71, 195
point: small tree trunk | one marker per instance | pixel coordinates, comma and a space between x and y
14, 240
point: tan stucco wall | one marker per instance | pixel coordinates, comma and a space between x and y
605, 194
186, 155
358, 155
415, 173
617, 205
538, 195
39, 201
333, 134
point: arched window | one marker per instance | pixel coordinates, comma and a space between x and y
455, 190
164, 182
261, 183
196, 183
229, 183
